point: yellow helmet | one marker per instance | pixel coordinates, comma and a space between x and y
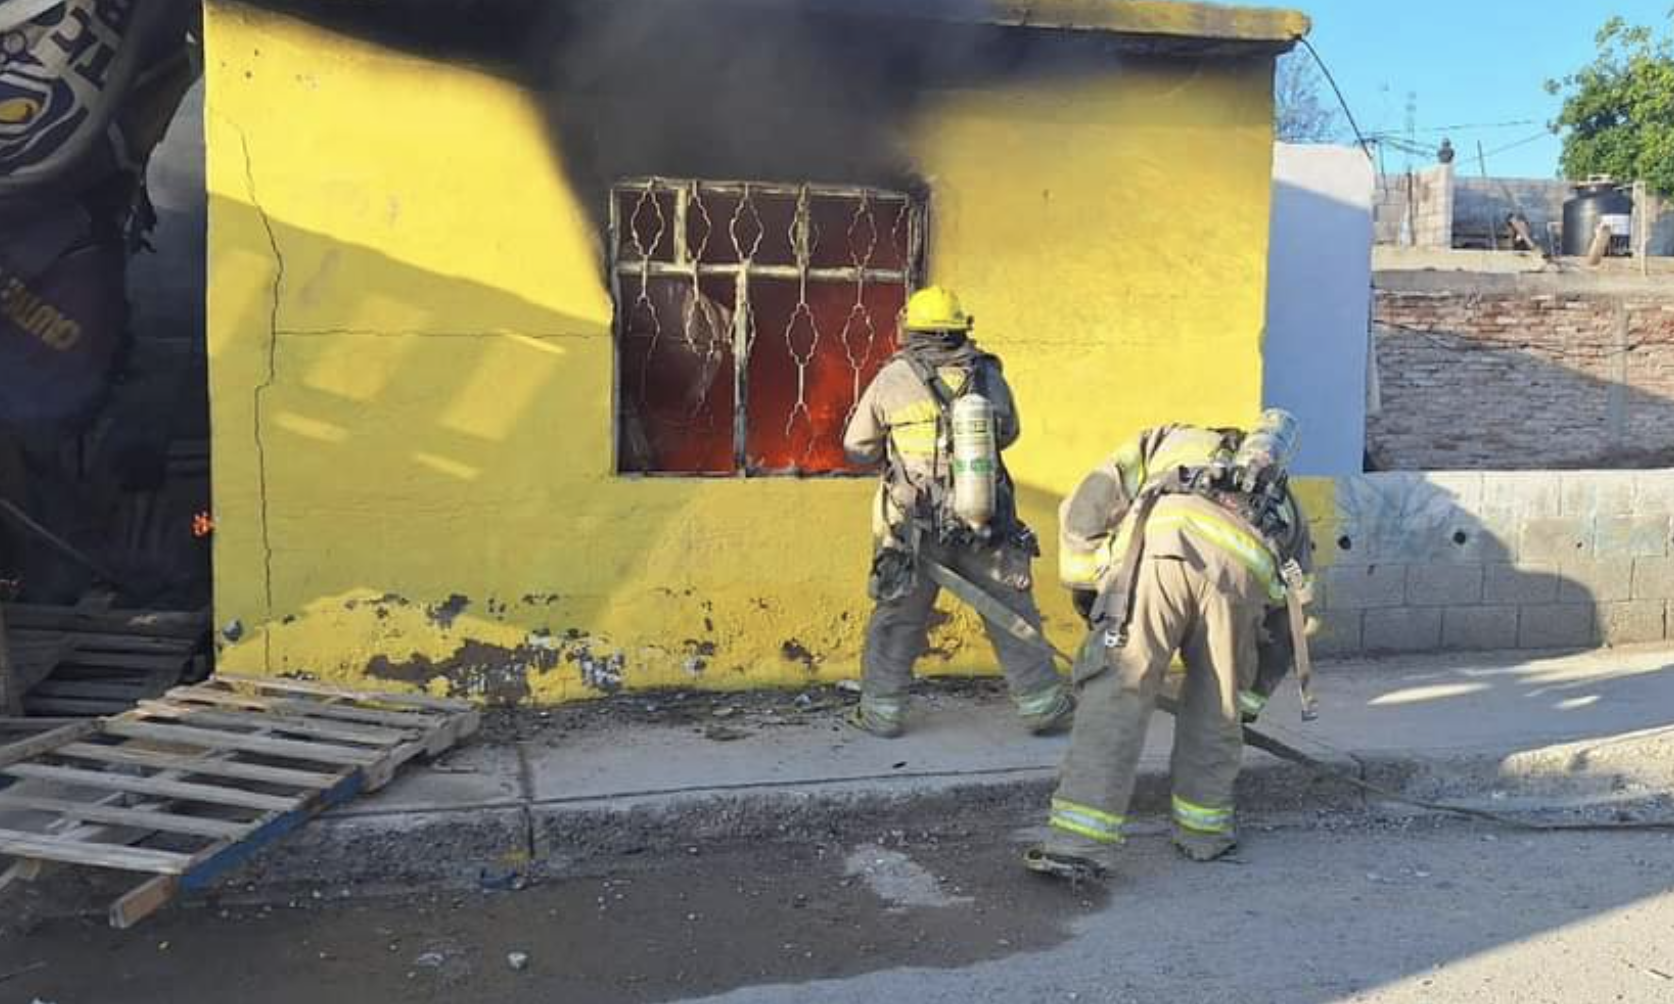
935, 308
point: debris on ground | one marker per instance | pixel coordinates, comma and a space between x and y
713, 714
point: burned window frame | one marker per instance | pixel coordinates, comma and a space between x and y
630, 277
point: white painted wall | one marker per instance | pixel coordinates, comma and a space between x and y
1319, 295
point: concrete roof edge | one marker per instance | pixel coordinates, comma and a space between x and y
1158, 18
1263, 28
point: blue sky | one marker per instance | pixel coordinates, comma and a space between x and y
1468, 62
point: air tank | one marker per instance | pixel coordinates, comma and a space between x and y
1270, 444
976, 460
1596, 202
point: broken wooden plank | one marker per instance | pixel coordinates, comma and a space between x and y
145, 623
84, 706
142, 901
378, 697
196, 764
117, 690
32, 723
289, 749
77, 852
344, 732
46, 742
110, 644
166, 822
154, 644
208, 694
212, 794
139, 662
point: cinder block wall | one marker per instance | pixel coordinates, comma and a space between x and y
1481, 202
1422, 201
1417, 562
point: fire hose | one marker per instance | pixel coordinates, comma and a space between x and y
1009, 621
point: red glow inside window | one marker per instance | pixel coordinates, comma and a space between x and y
749, 318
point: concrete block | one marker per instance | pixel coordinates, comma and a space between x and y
1653, 492
1498, 531
1361, 587
1479, 628
1556, 626
1596, 493
1444, 585
1402, 629
1553, 539
1334, 633
1406, 518
1520, 585
1595, 580
1653, 578
1631, 536
1527, 493
1631, 623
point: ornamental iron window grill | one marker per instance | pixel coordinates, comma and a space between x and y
749, 318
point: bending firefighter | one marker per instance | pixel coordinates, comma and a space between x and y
1186, 540
937, 416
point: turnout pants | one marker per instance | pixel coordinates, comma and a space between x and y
897, 632
1176, 608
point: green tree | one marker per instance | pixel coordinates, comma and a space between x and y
1618, 112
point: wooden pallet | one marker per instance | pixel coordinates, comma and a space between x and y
188, 787
70, 661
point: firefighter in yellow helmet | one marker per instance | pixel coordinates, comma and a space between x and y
936, 417
1187, 540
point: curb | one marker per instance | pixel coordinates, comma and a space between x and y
491, 845
488, 844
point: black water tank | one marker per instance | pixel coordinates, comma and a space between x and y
1596, 202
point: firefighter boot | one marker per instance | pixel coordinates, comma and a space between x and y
1200, 846
884, 717
1049, 711
1075, 860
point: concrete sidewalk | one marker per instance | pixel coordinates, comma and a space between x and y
559, 789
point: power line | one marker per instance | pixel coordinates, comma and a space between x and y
1466, 127
1401, 146
1359, 136
1537, 137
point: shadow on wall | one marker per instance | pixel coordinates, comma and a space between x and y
445, 417
346, 446
1421, 562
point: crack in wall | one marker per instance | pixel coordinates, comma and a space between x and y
267, 382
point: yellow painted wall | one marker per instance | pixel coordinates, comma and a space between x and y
412, 367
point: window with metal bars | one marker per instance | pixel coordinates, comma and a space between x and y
749, 318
